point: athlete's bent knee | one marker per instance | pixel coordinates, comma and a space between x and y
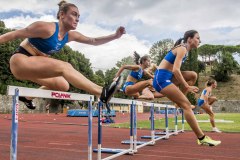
211, 115
151, 97
185, 105
193, 76
66, 68
62, 85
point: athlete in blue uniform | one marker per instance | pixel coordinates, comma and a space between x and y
169, 68
205, 101
132, 86
31, 60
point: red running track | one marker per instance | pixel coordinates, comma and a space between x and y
57, 137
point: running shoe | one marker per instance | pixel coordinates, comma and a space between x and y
207, 141
28, 103
215, 129
108, 91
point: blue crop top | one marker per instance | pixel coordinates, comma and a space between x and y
49, 45
204, 92
137, 74
170, 57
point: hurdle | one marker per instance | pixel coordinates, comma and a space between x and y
16, 92
138, 144
134, 144
116, 152
169, 132
154, 136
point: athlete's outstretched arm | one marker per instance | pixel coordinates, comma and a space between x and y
37, 29
129, 67
78, 37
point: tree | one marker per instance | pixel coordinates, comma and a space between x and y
2, 24
99, 78
125, 61
211, 51
225, 66
207, 52
100, 74
109, 75
201, 66
160, 49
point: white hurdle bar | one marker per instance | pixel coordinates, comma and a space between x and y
17, 92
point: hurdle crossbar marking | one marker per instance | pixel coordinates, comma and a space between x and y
143, 103
41, 93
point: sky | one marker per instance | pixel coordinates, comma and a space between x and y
145, 21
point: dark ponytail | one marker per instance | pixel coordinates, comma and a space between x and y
179, 41
187, 34
138, 59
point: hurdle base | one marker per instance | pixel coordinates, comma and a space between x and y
160, 133
181, 131
137, 142
149, 137
110, 150
164, 132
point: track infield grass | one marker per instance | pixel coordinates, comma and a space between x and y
226, 122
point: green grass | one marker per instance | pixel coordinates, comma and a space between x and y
225, 127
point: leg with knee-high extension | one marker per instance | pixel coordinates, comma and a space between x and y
137, 87
46, 67
189, 76
146, 94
